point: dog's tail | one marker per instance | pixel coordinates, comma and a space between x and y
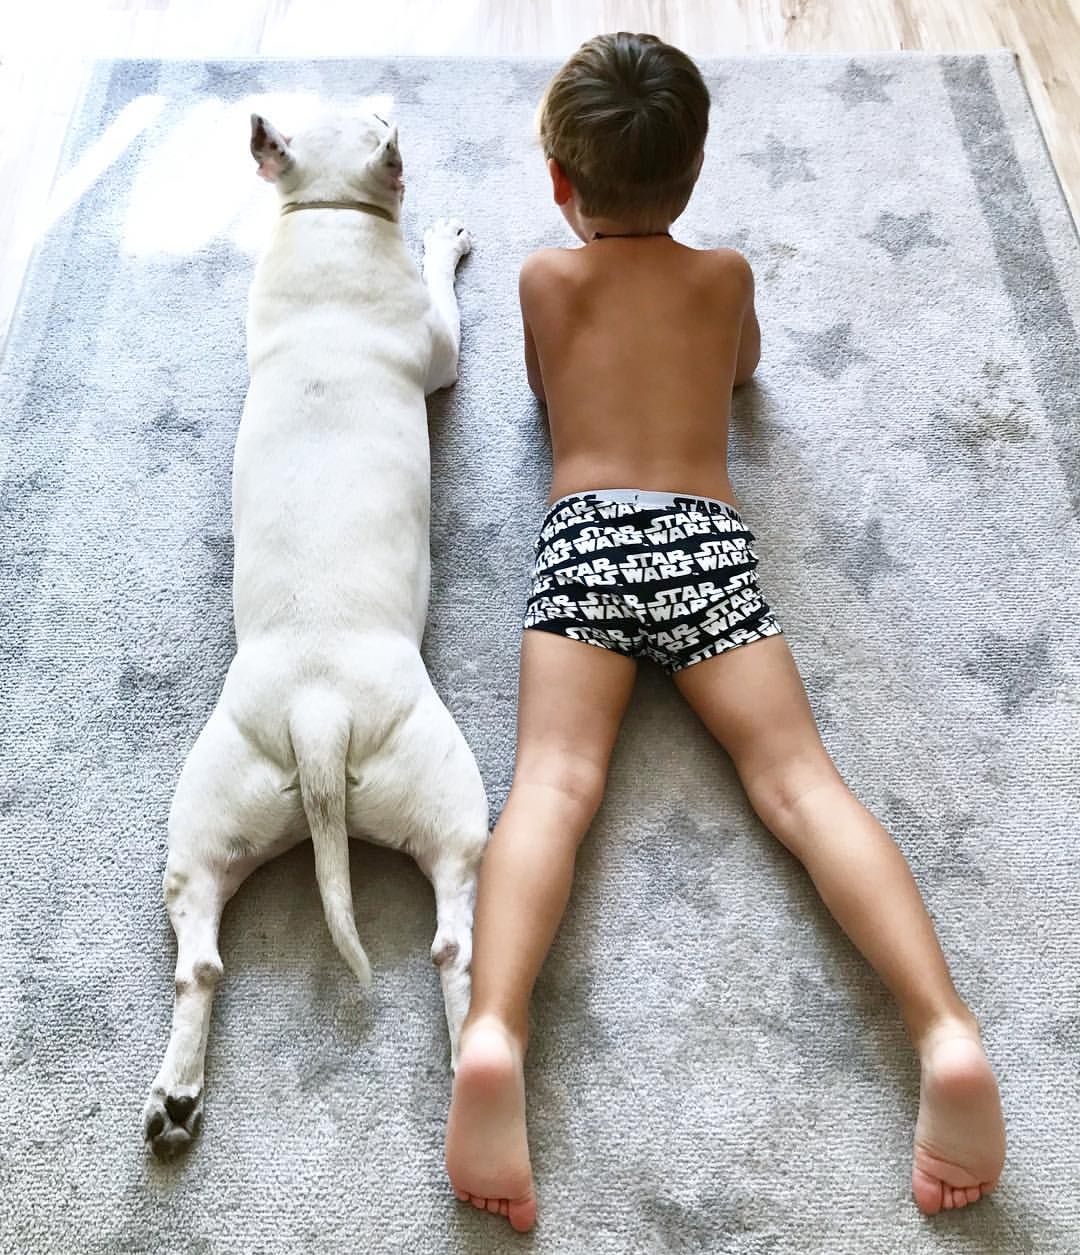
319, 725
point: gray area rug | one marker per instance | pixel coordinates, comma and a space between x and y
713, 1068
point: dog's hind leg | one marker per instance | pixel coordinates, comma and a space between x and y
195, 897
454, 880
422, 793
229, 815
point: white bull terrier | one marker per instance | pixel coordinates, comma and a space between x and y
328, 723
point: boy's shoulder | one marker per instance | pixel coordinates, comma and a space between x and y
549, 260
546, 269
550, 270
565, 260
732, 262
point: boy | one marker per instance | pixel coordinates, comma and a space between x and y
634, 343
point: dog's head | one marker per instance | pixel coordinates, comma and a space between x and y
346, 157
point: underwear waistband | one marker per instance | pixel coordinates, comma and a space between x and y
649, 500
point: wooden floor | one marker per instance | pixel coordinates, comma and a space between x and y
46, 44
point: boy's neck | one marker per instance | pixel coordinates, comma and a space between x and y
626, 235
589, 229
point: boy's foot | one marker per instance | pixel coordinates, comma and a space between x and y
487, 1148
960, 1133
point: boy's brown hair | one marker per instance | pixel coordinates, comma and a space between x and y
626, 119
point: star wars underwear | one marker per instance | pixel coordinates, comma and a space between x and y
648, 574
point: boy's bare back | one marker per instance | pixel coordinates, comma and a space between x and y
635, 344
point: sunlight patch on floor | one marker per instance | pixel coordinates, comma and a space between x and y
135, 118
200, 182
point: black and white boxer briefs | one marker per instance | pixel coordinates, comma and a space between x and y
648, 574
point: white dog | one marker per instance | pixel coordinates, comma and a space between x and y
327, 723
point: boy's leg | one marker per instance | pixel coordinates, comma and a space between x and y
752, 700
571, 702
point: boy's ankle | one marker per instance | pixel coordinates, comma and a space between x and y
490, 1021
958, 1023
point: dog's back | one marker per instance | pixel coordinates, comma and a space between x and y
332, 467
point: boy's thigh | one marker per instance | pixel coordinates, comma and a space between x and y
571, 701
752, 699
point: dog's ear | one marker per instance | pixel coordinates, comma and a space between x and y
386, 161
270, 149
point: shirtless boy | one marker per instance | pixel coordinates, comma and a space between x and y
634, 343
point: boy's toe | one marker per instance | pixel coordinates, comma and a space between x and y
522, 1213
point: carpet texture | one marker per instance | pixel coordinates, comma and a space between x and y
713, 1068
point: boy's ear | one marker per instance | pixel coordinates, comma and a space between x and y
270, 149
560, 184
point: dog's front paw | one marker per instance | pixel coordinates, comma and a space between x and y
450, 235
171, 1121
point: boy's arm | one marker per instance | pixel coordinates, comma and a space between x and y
749, 346
532, 364
526, 285
750, 333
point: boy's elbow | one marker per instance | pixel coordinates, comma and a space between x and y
749, 354
747, 364
745, 370
537, 390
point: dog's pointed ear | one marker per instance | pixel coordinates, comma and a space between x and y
270, 149
386, 161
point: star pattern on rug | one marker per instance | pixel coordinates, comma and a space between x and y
868, 559
404, 88
820, 684
980, 425
858, 552
1065, 1034
983, 423
219, 546
860, 85
830, 350
472, 156
1016, 669
529, 81
946, 845
169, 438
783, 163
778, 254
229, 81
141, 687
898, 234
168, 421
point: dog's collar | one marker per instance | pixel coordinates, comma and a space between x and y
293, 205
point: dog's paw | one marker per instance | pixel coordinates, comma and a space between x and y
171, 1121
449, 234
